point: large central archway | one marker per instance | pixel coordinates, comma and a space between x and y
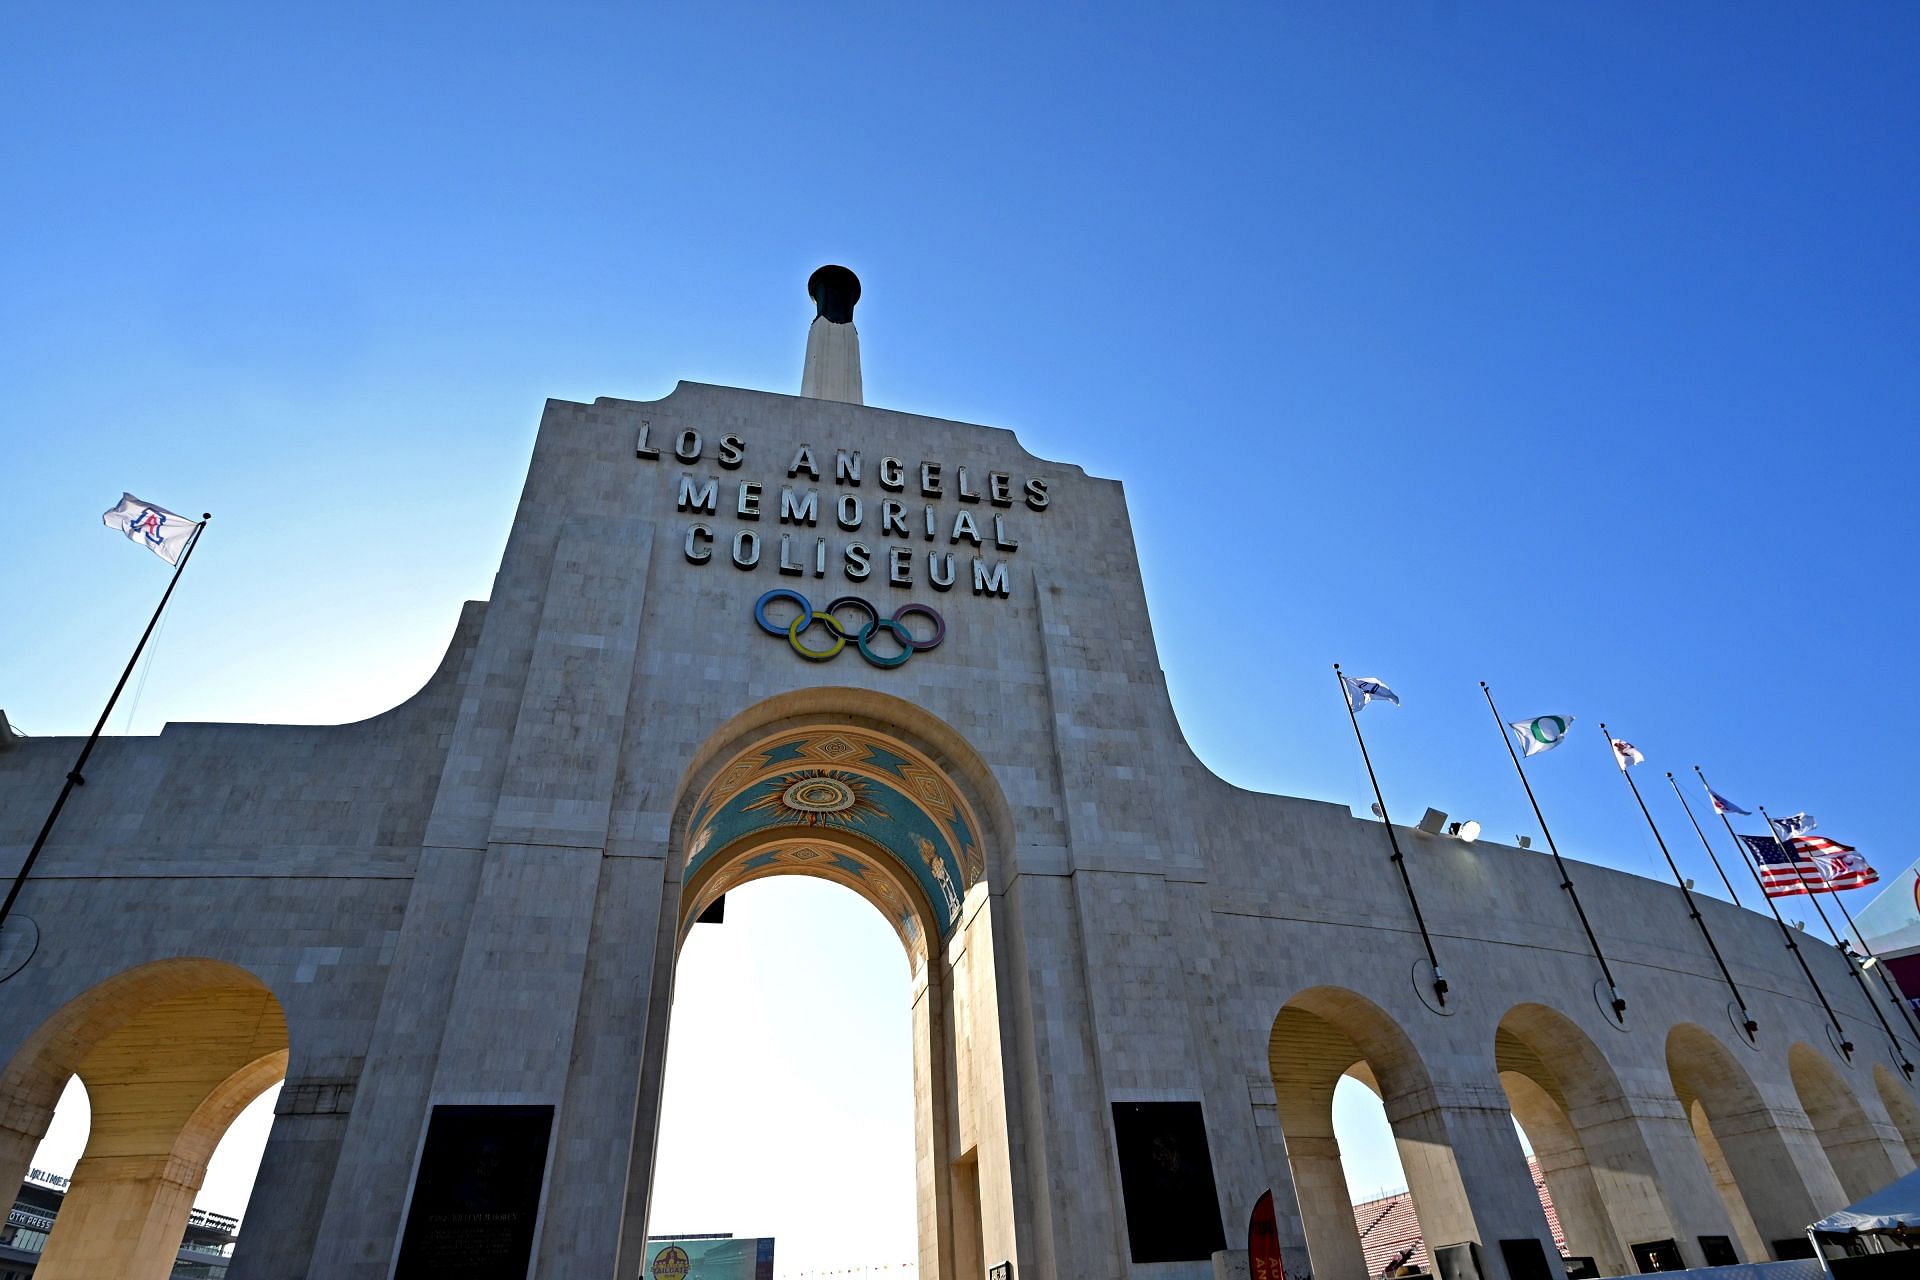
875, 795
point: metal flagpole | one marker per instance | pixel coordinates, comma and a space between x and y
1618, 1001
1786, 934
1834, 933
1399, 859
1905, 1014
1693, 909
1892, 984
74, 777
1712, 857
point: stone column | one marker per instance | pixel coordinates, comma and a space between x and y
1326, 1208
1777, 1162
124, 1218
1467, 1172
1647, 1169
23, 1122
290, 1194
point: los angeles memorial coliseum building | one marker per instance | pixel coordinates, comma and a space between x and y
453, 928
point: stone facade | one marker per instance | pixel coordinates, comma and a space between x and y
477, 899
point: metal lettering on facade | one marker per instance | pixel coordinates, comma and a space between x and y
982, 536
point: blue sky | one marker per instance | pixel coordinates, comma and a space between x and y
1571, 348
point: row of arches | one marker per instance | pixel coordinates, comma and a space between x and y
1691, 1166
842, 788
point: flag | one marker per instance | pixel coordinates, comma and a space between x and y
1807, 864
1723, 805
1361, 691
1626, 754
1795, 824
1843, 867
1542, 733
155, 528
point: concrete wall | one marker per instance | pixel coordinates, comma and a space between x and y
474, 897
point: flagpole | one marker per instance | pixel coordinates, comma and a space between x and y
1894, 993
1399, 859
1828, 881
1751, 1027
74, 777
1834, 933
1712, 857
1786, 934
1618, 1001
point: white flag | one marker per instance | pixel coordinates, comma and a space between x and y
1361, 691
1626, 754
155, 528
1796, 824
1542, 733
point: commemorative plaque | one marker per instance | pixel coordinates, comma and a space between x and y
476, 1197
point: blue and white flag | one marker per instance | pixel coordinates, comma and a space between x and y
1723, 805
1797, 824
1361, 691
153, 527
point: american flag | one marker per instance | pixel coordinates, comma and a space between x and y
1807, 864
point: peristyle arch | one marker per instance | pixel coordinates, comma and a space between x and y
169, 1052
1773, 1181
1320, 1035
1853, 1144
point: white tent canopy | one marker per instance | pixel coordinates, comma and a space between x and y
1894, 1207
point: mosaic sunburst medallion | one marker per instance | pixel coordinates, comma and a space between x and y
819, 795
816, 797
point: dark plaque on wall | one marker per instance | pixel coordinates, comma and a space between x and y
1719, 1251
1166, 1179
477, 1195
1526, 1259
1656, 1255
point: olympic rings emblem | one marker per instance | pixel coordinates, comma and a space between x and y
838, 632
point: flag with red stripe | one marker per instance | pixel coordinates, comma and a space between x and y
1807, 864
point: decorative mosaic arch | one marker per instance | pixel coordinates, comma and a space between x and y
847, 805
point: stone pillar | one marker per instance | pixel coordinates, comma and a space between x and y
1647, 1171
1863, 1155
290, 1194
1751, 1241
23, 1122
1783, 1174
1065, 1118
124, 1217
1326, 1208
1466, 1170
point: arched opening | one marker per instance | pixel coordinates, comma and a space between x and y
1320, 1037
1901, 1108
1772, 1186
170, 1054
1538, 1095
787, 1109
1852, 1144
1598, 1169
886, 809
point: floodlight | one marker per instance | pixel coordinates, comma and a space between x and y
1464, 832
1433, 822
1525, 842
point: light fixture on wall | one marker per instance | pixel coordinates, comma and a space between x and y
1464, 832
1525, 842
1433, 822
